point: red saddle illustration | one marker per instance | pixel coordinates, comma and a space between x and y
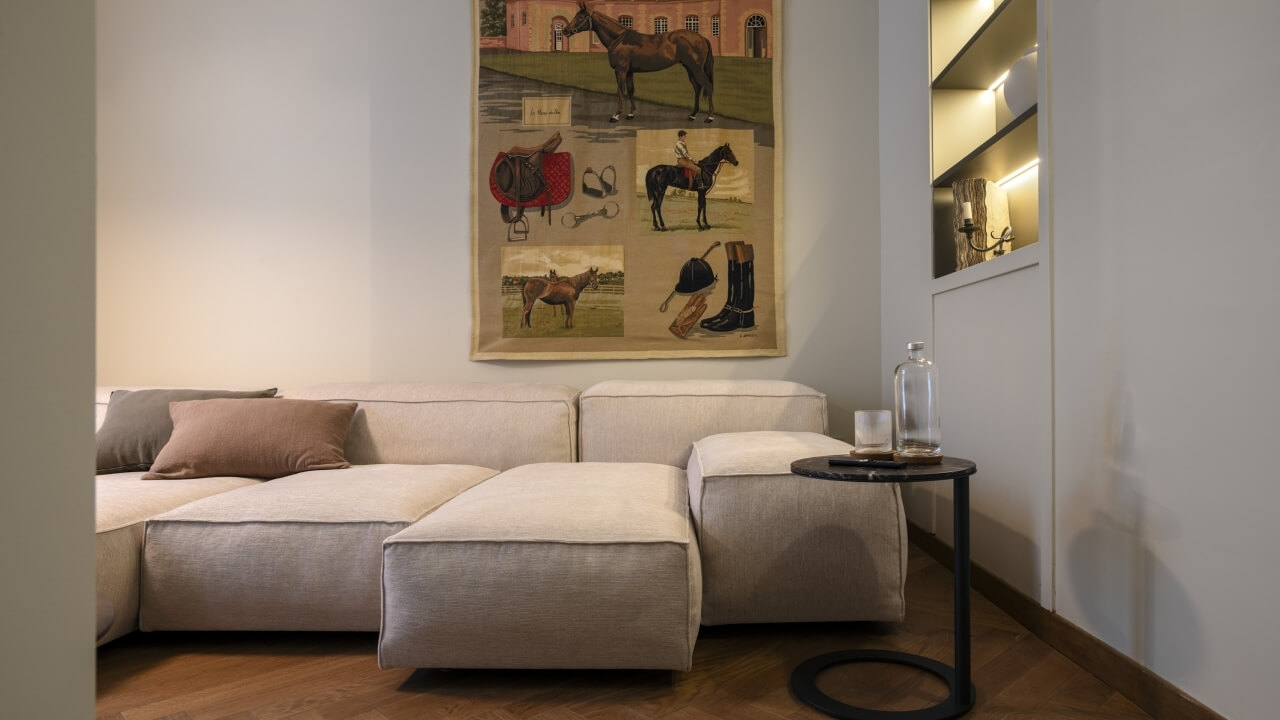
556, 168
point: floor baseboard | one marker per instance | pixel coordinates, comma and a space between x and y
1155, 695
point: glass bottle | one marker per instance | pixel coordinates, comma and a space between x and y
916, 427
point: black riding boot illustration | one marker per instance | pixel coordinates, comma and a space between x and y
732, 281
739, 310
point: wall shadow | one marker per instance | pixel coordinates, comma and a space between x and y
1129, 597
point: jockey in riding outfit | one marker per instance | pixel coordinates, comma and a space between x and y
683, 160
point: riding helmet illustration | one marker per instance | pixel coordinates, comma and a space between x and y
695, 275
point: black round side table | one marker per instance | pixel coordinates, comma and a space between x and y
961, 692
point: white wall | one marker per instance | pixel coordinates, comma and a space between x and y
284, 199
234, 192
906, 260
991, 337
1161, 123
1165, 300
46, 359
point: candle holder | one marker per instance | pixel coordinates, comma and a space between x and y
968, 228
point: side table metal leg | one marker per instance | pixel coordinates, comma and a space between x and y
961, 694
963, 687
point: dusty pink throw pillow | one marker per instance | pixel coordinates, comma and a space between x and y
260, 438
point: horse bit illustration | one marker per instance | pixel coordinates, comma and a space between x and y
572, 221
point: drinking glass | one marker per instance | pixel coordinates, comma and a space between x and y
872, 431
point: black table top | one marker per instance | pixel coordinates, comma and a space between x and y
817, 467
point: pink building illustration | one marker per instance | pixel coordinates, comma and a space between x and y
735, 27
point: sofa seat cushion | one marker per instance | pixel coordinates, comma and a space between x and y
302, 552
778, 547
122, 502
552, 565
658, 420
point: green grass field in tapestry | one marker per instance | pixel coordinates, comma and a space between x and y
743, 87
597, 314
680, 211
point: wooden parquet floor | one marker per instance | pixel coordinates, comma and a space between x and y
739, 672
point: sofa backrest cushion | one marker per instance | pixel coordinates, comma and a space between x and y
659, 420
493, 425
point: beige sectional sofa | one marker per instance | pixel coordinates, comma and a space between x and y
517, 525
124, 504
554, 565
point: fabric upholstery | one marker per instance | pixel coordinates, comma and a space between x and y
123, 502
303, 552
778, 547
136, 424
496, 425
101, 400
262, 438
580, 565
657, 421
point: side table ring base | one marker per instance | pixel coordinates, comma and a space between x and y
804, 683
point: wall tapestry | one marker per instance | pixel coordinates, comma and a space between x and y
626, 165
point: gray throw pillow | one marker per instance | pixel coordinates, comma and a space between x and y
137, 424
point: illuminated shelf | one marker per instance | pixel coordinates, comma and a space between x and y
1010, 29
973, 135
1012, 147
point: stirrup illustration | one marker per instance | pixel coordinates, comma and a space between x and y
518, 229
600, 187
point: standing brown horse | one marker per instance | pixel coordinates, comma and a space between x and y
563, 291
633, 52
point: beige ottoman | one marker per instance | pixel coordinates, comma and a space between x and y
777, 547
551, 565
302, 552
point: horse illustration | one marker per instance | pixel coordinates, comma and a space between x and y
633, 52
563, 291
553, 276
660, 177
